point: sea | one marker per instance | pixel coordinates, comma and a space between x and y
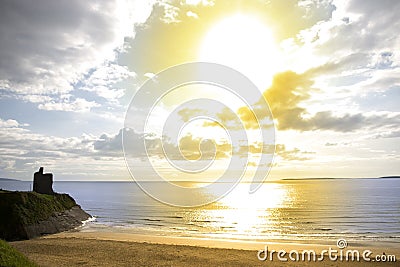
287, 210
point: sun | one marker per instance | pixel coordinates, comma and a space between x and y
246, 44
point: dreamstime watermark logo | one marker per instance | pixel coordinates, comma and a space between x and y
341, 243
215, 96
340, 254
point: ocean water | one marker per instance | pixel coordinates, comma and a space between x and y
354, 209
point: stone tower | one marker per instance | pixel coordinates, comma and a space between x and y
43, 182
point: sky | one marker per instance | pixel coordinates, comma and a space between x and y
329, 71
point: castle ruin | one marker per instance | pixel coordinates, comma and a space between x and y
43, 182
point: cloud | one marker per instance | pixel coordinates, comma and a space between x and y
77, 105
171, 12
189, 147
8, 123
255, 148
149, 75
197, 2
81, 56
105, 81
43, 41
187, 113
327, 32
388, 134
195, 148
48, 48
292, 154
280, 150
23, 151
20, 143
331, 144
192, 15
111, 145
171, 22
287, 97
228, 119
356, 27
327, 121
288, 89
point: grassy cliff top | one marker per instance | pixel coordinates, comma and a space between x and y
19, 209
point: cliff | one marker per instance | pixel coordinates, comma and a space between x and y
25, 215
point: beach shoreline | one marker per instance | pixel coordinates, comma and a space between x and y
122, 249
221, 242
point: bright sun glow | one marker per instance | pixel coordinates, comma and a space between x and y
248, 213
245, 44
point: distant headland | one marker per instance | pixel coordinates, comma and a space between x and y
8, 179
336, 178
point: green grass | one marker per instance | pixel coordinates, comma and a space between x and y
10, 257
33, 207
20, 209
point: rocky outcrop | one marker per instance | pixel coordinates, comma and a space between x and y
26, 215
59, 222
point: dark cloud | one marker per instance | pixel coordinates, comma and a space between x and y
109, 143
287, 94
331, 144
286, 98
189, 147
50, 49
287, 91
382, 12
369, 27
388, 134
195, 148
46, 45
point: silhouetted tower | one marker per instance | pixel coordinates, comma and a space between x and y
43, 182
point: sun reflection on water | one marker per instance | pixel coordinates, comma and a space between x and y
243, 215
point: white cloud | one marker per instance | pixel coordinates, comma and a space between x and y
191, 14
149, 75
355, 27
77, 105
48, 50
36, 98
104, 81
197, 2
8, 123
47, 47
171, 12
354, 55
23, 151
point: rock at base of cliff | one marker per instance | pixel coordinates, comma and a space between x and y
59, 222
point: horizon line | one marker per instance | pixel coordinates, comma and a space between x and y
247, 182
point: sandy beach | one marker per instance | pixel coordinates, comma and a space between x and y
119, 249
